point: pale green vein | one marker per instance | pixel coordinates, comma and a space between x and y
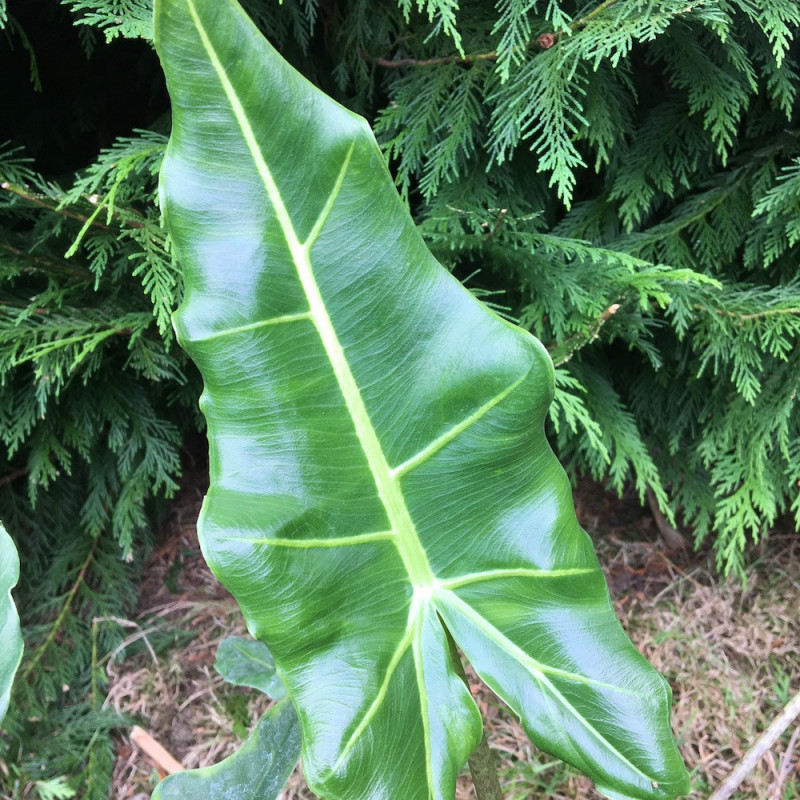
252, 326
448, 436
539, 671
250, 657
408, 637
323, 216
407, 540
476, 577
309, 544
280, 209
519, 654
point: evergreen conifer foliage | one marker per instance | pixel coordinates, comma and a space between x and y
615, 169
95, 400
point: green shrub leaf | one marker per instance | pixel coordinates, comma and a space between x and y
259, 769
247, 662
378, 464
10, 636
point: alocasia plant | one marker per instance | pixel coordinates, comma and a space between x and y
379, 470
10, 635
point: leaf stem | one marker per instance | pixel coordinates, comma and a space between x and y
482, 763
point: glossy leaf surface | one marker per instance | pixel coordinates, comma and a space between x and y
258, 770
246, 662
378, 461
10, 636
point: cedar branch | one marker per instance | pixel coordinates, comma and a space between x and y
544, 41
42, 649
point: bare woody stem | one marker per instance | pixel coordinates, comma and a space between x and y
770, 312
563, 352
12, 476
545, 41
38, 200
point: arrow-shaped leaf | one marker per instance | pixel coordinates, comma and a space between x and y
10, 636
378, 462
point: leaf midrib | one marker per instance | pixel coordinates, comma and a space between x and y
407, 540
386, 479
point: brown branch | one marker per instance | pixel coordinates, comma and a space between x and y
564, 351
770, 312
160, 756
39, 200
760, 746
12, 476
544, 41
672, 537
497, 224
40, 262
9, 304
431, 62
785, 766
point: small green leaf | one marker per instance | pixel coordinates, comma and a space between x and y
247, 662
10, 636
257, 771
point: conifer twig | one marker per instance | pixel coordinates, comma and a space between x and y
760, 746
545, 41
769, 312
90, 221
22, 192
42, 649
561, 353
45, 263
381, 61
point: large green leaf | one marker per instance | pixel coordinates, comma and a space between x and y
258, 770
378, 463
10, 636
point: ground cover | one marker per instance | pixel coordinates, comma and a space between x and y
731, 654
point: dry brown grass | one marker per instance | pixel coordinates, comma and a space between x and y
731, 655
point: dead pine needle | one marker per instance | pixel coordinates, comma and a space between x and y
760, 746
